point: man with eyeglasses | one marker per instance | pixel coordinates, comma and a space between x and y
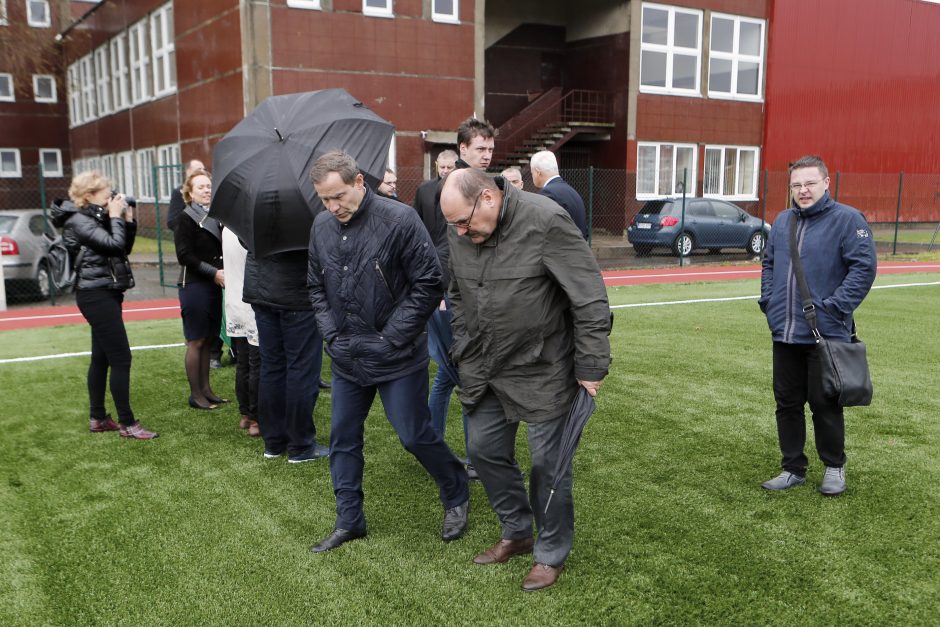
838, 256
530, 324
374, 280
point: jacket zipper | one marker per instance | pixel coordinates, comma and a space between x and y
378, 269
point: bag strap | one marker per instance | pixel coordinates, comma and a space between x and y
806, 299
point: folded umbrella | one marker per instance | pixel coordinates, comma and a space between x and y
262, 189
581, 409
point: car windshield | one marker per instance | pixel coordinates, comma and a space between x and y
6, 224
655, 206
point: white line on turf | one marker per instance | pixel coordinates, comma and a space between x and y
150, 347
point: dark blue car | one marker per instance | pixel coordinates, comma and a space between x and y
709, 223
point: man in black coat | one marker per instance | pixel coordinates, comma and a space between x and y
545, 176
374, 280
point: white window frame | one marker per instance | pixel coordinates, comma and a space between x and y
74, 95
657, 193
736, 57
163, 58
670, 50
86, 77
168, 155
138, 46
386, 11
313, 5
124, 173
12, 96
446, 18
29, 14
3, 13
107, 168
102, 81
19, 165
144, 160
755, 174
36, 96
56, 173
120, 73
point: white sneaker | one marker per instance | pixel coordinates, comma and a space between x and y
784, 481
833, 483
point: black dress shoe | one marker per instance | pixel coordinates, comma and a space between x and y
195, 405
336, 539
455, 521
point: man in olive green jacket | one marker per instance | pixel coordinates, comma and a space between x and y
531, 323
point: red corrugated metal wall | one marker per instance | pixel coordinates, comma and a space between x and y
858, 82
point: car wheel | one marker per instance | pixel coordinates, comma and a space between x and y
42, 280
642, 250
756, 243
683, 245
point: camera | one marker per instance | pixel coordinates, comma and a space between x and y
130, 200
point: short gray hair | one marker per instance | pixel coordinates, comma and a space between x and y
446, 154
471, 183
512, 169
335, 161
544, 161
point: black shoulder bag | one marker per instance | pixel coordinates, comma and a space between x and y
843, 365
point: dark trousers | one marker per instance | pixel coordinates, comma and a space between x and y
440, 339
247, 373
405, 402
796, 382
493, 453
291, 356
109, 349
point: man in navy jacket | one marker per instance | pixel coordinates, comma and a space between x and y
374, 279
545, 176
838, 257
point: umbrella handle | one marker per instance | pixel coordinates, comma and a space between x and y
549, 501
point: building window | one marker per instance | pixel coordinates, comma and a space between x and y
44, 88
51, 160
145, 159
102, 81
10, 163
731, 172
107, 168
74, 92
120, 95
139, 62
445, 11
168, 158
670, 50
164, 56
3, 12
377, 8
7, 94
86, 77
304, 4
124, 173
660, 169
736, 57
37, 13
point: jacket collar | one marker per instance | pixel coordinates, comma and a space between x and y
816, 208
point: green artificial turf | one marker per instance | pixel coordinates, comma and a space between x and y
196, 528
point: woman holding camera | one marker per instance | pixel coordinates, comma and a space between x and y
99, 231
199, 251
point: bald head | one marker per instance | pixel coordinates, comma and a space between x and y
470, 202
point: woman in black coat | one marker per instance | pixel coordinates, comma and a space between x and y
199, 251
99, 232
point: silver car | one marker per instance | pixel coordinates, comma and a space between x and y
24, 249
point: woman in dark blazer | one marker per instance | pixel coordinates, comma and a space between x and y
99, 230
199, 251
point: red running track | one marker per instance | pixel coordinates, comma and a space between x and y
165, 308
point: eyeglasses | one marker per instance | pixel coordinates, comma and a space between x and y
808, 184
465, 224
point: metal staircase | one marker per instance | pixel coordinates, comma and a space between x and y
550, 121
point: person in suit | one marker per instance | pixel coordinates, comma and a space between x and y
545, 176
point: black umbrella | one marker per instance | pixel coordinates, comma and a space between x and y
581, 409
262, 189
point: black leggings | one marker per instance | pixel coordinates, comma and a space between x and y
109, 348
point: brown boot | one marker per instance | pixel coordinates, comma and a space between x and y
541, 576
503, 550
254, 429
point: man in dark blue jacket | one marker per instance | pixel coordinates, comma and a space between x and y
838, 257
545, 176
374, 279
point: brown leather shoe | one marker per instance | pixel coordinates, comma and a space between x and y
254, 429
245, 422
541, 576
503, 550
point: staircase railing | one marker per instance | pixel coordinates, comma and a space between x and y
578, 105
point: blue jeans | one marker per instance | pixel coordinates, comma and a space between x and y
440, 340
291, 357
403, 400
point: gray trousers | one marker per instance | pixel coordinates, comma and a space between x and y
493, 453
